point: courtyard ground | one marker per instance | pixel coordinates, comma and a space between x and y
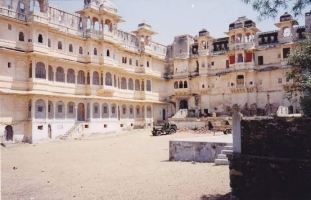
132, 165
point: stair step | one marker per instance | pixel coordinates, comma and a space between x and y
228, 148
226, 151
222, 156
222, 162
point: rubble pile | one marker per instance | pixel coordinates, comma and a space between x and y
196, 131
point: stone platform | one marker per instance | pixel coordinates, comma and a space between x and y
200, 149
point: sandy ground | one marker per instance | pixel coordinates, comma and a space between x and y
130, 165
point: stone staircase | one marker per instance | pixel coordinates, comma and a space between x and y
222, 158
182, 113
70, 132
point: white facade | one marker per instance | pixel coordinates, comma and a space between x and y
60, 69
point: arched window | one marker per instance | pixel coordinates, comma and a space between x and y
105, 111
40, 70
137, 85
80, 50
70, 48
147, 63
95, 78
149, 112
176, 85
131, 112
88, 78
181, 84
143, 86
21, 37
71, 111
108, 79
124, 111
50, 110
51, 73
81, 77
108, 53
130, 61
113, 111
137, 111
95, 51
240, 81
60, 45
123, 83
131, 85
185, 84
30, 70
70, 76
60, 110
40, 38
49, 42
40, 109
148, 86
96, 113
60, 75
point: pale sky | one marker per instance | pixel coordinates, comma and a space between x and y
171, 18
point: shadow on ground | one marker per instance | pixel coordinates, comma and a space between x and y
216, 197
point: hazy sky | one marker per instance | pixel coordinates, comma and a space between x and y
170, 18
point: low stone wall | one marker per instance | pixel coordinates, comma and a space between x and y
275, 161
195, 151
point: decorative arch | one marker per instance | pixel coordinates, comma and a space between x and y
81, 77
123, 83
40, 109
60, 110
21, 37
108, 79
95, 78
181, 85
124, 111
60, 75
131, 112
185, 84
105, 110
137, 85
148, 85
70, 76
113, 111
149, 112
176, 85
40, 38
137, 112
40, 70
51, 73
96, 110
71, 110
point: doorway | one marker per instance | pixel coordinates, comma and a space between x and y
164, 114
183, 104
9, 133
81, 112
49, 131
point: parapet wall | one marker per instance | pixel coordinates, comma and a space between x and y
275, 161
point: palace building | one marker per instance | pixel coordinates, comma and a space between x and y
63, 72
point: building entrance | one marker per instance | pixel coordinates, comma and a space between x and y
9, 133
81, 112
183, 104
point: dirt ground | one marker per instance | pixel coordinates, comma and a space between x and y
131, 165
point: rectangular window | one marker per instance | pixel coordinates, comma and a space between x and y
105, 110
40, 127
286, 52
260, 60
213, 63
70, 109
113, 110
137, 111
9, 65
40, 108
49, 108
131, 111
96, 110
124, 111
59, 108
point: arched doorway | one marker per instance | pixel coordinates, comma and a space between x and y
183, 104
9, 133
49, 131
81, 112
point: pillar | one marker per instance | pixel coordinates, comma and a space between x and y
236, 128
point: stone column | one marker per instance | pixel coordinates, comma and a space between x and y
236, 128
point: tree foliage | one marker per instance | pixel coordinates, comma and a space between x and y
271, 8
300, 60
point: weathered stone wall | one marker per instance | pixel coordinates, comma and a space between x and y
275, 162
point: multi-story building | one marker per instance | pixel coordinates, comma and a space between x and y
62, 71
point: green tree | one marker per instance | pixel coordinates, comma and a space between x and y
271, 8
300, 60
